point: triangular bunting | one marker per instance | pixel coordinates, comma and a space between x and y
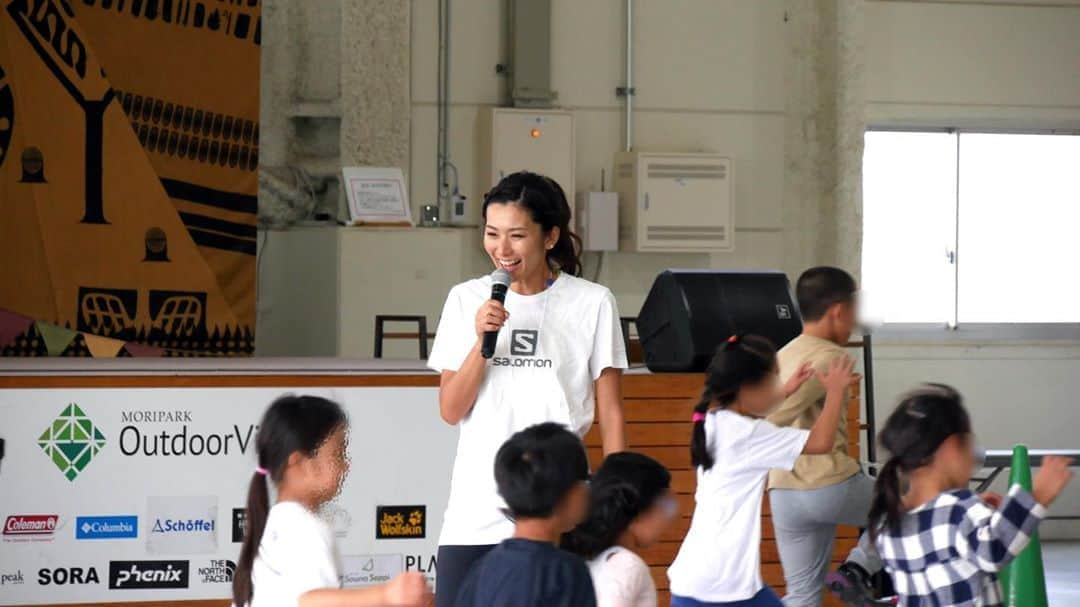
12, 325
56, 338
102, 347
140, 351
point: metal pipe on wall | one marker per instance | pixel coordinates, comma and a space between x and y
628, 91
442, 197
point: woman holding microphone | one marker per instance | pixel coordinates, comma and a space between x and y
558, 357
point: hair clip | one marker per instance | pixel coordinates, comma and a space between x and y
698, 417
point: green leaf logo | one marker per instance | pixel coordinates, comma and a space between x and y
71, 441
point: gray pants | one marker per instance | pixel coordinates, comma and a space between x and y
805, 523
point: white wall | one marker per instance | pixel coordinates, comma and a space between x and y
709, 77
983, 64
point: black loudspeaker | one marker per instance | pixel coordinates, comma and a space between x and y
689, 313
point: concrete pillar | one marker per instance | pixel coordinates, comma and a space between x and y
375, 98
825, 109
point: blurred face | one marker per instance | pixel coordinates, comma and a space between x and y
574, 507
844, 319
956, 458
761, 398
515, 242
650, 525
327, 468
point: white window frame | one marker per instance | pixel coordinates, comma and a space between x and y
955, 332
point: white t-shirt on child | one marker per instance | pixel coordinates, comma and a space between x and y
547, 359
622, 579
297, 554
720, 559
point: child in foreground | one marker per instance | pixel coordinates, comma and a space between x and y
288, 558
631, 508
542, 473
733, 449
942, 544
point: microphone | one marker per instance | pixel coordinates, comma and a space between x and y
500, 281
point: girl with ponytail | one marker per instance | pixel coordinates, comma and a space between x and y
631, 507
941, 543
288, 558
558, 357
733, 448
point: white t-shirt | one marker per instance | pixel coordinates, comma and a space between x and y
720, 559
622, 579
297, 554
548, 356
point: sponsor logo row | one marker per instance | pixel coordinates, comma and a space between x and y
131, 575
179, 574
176, 525
189, 525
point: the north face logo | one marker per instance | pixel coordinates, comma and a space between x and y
71, 441
523, 342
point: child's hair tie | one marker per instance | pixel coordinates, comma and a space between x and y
261, 471
734, 339
698, 417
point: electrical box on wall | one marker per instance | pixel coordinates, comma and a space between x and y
597, 215
541, 141
675, 203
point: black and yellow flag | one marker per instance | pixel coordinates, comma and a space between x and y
128, 157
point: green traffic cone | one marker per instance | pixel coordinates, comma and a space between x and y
1023, 580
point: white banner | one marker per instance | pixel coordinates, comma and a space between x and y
139, 494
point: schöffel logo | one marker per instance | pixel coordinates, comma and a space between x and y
181, 525
71, 441
217, 572
394, 522
106, 527
523, 342
30, 527
135, 575
191, 525
239, 524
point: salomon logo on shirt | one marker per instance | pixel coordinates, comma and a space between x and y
106, 527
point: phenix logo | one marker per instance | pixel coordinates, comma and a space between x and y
148, 574
154, 575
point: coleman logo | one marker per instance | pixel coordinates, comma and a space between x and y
26, 528
394, 522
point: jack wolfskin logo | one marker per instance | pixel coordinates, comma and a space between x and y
71, 441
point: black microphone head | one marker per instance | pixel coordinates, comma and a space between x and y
500, 277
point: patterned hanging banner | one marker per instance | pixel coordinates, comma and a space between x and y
128, 168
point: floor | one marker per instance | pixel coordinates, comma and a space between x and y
1061, 562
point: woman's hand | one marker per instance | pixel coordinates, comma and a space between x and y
490, 317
